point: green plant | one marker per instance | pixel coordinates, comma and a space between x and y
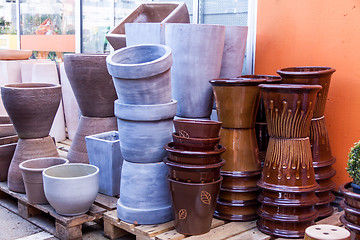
353, 167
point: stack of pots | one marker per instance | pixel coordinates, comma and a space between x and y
8, 141
319, 138
144, 111
194, 162
237, 101
351, 206
288, 178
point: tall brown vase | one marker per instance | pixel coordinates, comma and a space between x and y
319, 139
288, 178
237, 101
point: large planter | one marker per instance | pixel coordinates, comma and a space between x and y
71, 188
91, 83
6, 154
197, 59
144, 130
141, 74
144, 194
31, 107
104, 152
31, 171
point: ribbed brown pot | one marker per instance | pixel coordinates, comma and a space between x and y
351, 205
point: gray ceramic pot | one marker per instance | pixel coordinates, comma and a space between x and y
144, 194
104, 152
6, 127
6, 154
141, 74
71, 188
144, 130
151, 33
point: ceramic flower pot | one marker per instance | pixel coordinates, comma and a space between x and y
9, 139
194, 173
195, 144
240, 180
236, 195
141, 74
6, 127
192, 157
104, 152
91, 83
193, 205
71, 188
151, 33
144, 130
31, 107
191, 128
351, 198
31, 171
138, 182
293, 199
6, 154
237, 210
88, 126
355, 229
197, 59
28, 149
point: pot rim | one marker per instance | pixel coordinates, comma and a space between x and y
214, 139
227, 82
347, 193
306, 70
197, 121
289, 87
196, 184
170, 148
44, 173
269, 78
192, 166
30, 86
73, 56
21, 165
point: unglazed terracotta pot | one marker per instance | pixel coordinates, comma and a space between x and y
192, 128
92, 85
6, 127
31, 107
193, 205
71, 188
31, 171
197, 59
6, 154
195, 144
141, 74
28, 149
151, 33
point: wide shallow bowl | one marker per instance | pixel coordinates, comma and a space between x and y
71, 188
194, 144
192, 128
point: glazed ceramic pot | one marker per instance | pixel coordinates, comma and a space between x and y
91, 83
6, 127
193, 205
197, 59
191, 128
236, 195
144, 130
6, 154
192, 157
237, 210
104, 152
31, 171
88, 126
194, 173
31, 107
144, 194
28, 149
141, 74
195, 144
71, 188
292, 199
351, 198
355, 229
326, 231
240, 180
9, 139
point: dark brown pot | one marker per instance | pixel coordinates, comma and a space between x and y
92, 84
28, 149
288, 199
6, 154
195, 144
6, 127
289, 214
351, 214
324, 172
262, 137
193, 205
194, 173
352, 199
235, 195
237, 211
192, 157
197, 128
31, 107
240, 180
351, 226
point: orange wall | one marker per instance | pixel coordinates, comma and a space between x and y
317, 33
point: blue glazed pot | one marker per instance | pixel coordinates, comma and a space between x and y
356, 188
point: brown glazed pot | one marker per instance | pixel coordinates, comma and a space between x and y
240, 180
88, 126
6, 127
31, 107
28, 149
193, 128
234, 195
31, 171
194, 173
262, 137
352, 199
8, 140
193, 205
6, 154
194, 157
289, 214
195, 144
92, 84
237, 211
351, 214
288, 199
237, 101
355, 229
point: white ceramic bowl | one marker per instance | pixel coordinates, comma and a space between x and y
72, 188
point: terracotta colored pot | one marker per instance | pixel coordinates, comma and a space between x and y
15, 54
237, 211
6, 127
31, 107
234, 195
141, 74
240, 180
194, 173
92, 85
6, 154
192, 157
8, 140
71, 188
235, 111
197, 128
195, 144
31, 171
193, 205
28, 149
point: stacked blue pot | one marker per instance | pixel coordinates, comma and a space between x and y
144, 111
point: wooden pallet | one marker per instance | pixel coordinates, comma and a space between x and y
115, 228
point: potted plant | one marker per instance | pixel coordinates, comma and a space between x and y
353, 167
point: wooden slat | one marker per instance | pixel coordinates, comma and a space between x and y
107, 202
153, 230
251, 234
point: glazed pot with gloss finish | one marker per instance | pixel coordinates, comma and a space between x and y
354, 229
235, 195
351, 198
237, 210
192, 128
240, 180
6, 155
195, 144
